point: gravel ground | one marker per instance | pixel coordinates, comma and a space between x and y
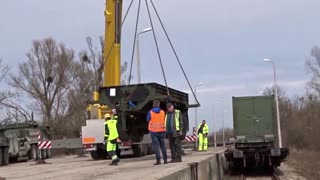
289, 173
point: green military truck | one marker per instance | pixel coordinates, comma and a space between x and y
19, 141
255, 129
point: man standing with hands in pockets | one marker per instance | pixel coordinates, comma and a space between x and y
174, 129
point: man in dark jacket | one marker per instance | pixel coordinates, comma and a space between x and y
156, 127
174, 129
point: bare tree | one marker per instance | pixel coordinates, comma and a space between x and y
3, 72
95, 62
313, 67
269, 91
11, 109
87, 75
46, 76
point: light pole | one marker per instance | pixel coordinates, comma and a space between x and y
223, 141
277, 100
196, 113
214, 133
138, 53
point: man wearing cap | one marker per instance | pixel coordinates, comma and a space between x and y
112, 137
156, 126
174, 129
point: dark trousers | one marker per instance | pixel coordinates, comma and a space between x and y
175, 146
158, 143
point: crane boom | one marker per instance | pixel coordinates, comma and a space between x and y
111, 54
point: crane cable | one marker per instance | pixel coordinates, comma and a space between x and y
174, 51
134, 41
156, 42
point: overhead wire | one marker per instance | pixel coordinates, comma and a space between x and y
134, 41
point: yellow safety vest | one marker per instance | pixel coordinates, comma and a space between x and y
177, 119
112, 127
205, 129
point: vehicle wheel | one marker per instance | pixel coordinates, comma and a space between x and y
144, 149
150, 149
94, 155
5, 157
43, 153
0, 156
48, 153
118, 152
137, 150
33, 152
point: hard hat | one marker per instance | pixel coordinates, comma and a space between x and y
114, 111
107, 116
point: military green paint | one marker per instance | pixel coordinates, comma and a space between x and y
254, 117
132, 120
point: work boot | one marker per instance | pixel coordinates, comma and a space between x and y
115, 162
157, 163
178, 160
173, 161
165, 161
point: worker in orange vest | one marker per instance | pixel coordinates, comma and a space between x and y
156, 126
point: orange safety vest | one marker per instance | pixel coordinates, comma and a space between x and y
157, 122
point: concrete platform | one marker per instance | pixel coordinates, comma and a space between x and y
204, 165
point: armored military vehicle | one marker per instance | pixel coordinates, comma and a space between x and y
18, 141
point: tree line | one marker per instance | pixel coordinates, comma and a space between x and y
54, 83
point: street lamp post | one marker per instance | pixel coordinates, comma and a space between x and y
223, 138
277, 100
196, 113
138, 53
214, 133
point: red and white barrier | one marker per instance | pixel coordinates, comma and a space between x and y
43, 144
193, 137
190, 138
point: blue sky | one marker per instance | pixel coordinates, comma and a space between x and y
221, 43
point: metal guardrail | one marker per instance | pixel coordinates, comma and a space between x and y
71, 143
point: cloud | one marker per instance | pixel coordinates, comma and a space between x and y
289, 84
216, 89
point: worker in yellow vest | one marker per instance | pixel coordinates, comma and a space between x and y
112, 137
174, 132
203, 131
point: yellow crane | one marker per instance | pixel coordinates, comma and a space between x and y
111, 54
112, 38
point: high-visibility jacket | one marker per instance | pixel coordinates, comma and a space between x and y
157, 122
111, 130
176, 124
205, 129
